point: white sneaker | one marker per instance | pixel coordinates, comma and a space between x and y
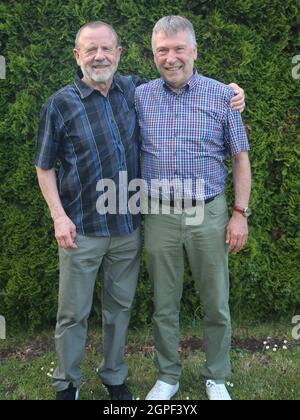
216, 392
162, 391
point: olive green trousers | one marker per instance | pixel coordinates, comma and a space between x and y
167, 239
119, 261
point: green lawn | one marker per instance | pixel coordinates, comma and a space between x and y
258, 373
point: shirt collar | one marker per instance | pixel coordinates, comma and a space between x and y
85, 90
194, 80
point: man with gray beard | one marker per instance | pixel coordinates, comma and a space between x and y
90, 126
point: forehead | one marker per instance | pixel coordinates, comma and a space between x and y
97, 35
161, 39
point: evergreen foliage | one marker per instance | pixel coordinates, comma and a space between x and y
250, 42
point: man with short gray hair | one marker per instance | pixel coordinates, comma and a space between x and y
171, 25
90, 127
188, 129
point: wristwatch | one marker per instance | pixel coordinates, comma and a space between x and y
245, 211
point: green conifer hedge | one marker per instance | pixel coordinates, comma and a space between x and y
251, 42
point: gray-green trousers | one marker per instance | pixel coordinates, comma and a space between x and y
119, 260
166, 237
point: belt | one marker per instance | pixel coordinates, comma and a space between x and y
174, 203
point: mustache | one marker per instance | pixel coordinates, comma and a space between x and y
101, 63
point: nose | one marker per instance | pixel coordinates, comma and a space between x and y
99, 55
171, 57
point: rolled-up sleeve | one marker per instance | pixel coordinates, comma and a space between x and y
234, 130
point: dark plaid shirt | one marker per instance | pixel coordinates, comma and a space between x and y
94, 137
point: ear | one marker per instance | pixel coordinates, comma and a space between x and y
120, 52
76, 55
196, 52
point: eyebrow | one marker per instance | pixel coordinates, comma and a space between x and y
168, 48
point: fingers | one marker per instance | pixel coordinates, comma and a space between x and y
238, 101
236, 242
239, 245
73, 233
228, 237
65, 233
66, 244
238, 106
67, 241
234, 87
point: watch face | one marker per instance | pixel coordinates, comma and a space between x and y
248, 212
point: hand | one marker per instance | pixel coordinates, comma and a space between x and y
238, 101
65, 232
237, 233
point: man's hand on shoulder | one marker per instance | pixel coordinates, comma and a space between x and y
238, 101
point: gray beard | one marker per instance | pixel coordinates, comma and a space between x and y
103, 77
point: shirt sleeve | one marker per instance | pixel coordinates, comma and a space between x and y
47, 140
234, 130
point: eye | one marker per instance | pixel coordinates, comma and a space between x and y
91, 51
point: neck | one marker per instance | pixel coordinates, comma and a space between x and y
102, 87
175, 88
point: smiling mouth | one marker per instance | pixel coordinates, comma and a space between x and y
100, 67
173, 69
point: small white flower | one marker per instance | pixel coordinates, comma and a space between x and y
268, 348
285, 342
42, 368
228, 383
231, 385
265, 343
274, 350
51, 370
187, 398
284, 347
52, 363
49, 375
276, 346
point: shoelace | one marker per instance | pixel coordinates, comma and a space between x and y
217, 390
160, 389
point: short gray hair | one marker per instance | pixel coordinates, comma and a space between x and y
171, 25
97, 24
